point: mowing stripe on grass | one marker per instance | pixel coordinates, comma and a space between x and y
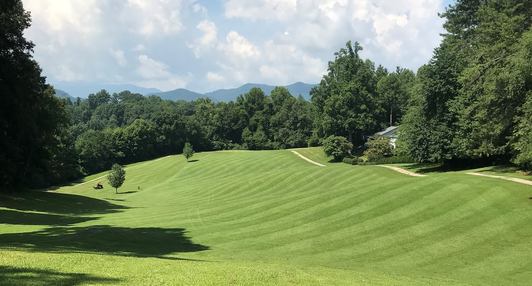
255, 209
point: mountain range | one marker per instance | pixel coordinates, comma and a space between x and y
296, 89
83, 89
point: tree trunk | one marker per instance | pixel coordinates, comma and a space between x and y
391, 116
116, 190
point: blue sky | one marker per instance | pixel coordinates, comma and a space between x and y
206, 45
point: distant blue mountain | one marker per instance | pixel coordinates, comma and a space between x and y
179, 94
62, 94
296, 89
83, 89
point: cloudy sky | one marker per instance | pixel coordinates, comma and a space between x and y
206, 45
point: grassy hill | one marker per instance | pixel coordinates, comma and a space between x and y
269, 217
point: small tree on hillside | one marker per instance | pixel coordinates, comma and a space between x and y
116, 177
337, 146
188, 151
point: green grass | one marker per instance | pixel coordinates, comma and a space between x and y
269, 217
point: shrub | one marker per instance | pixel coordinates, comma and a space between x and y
388, 160
350, 160
337, 146
378, 147
188, 151
314, 140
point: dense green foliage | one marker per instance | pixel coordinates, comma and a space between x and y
188, 152
128, 127
337, 146
354, 100
116, 176
351, 160
32, 146
523, 136
378, 147
469, 101
269, 218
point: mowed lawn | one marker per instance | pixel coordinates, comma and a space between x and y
269, 217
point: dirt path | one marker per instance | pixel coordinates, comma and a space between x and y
516, 180
307, 159
402, 171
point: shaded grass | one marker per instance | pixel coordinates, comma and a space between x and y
33, 276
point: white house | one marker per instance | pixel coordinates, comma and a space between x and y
390, 132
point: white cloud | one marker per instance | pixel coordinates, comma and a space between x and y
271, 41
399, 32
154, 17
198, 8
260, 9
150, 68
64, 15
139, 48
65, 73
157, 74
119, 57
209, 32
207, 40
237, 46
214, 77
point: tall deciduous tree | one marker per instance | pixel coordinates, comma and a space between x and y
337, 146
30, 115
394, 92
345, 99
496, 80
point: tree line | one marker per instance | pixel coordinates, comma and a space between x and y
470, 102
473, 100
126, 127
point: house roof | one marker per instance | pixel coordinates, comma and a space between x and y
388, 132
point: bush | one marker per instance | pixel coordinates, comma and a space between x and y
523, 137
378, 147
388, 160
337, 146
188, 151
351, 160
314, 140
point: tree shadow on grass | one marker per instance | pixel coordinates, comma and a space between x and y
508, 169
126, 192
33, 276
138, 242
27, 218
423, 168
441, 168
59, 203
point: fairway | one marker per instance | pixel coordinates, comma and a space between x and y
270, 217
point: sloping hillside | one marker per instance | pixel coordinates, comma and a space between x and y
269, 217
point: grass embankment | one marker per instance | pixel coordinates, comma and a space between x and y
269, 217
